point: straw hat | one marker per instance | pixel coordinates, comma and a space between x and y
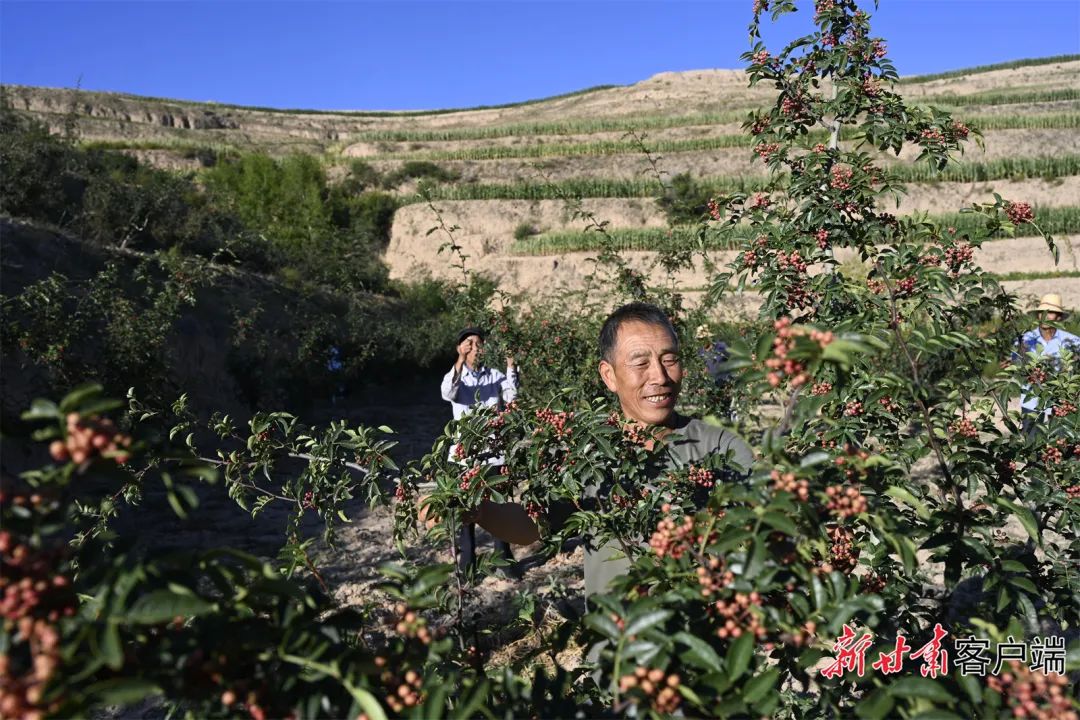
1051, 303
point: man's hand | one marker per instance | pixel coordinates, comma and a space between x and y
509, 364
430, 519
463, 349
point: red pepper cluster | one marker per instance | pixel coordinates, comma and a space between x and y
787, 482
1034, 694
1019, 212
657, 686
738, 618
89, 437
845, 502
964, 428
411, 625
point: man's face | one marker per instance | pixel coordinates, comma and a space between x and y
474, 350
644, 372
1049, 316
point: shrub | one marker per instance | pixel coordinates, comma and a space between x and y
419, 170
525, 230
362, 176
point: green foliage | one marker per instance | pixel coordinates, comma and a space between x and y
327, 235
894, 488
115, 327
1054, 220
696, 189
577, 149
524, 231
111, 199
418, 170
580, 187
362, 176
996, 97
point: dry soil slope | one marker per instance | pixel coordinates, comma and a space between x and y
164, 129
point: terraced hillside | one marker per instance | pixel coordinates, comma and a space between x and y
517, 169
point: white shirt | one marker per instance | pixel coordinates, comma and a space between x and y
483, 386
1032, 342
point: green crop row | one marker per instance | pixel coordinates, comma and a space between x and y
582, 126
623, 239
1003, 169
1054, 220
1011, 65
1063, 220
1048, 121
578, 188
1046, 275
602, 147
661, 122
718, 142
1001, 97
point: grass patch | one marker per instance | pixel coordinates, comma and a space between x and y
576, 188
1033, 121
585, 126
1065, 220
1047, 275
1003, 169
999, 97
719, 142
599, 148
1055, 121
628, 239
1011, 65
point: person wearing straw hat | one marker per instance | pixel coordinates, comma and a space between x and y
1045, 342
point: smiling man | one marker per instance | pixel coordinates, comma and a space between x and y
640, 363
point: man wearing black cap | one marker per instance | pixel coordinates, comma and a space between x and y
468, 385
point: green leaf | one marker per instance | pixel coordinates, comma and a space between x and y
780, 522
164, 605
603, 624
42, 410
110, 648
122, 691
699, 653
1024, 516
875, 706
937, 714
1024, 584
738, 656
904, 496
79, 396
646, 621
756, 687
909, 687
367, 703
755, 560
971, 686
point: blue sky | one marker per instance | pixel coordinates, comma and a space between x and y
409, 55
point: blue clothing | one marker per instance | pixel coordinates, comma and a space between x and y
715, 357
1032, 342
